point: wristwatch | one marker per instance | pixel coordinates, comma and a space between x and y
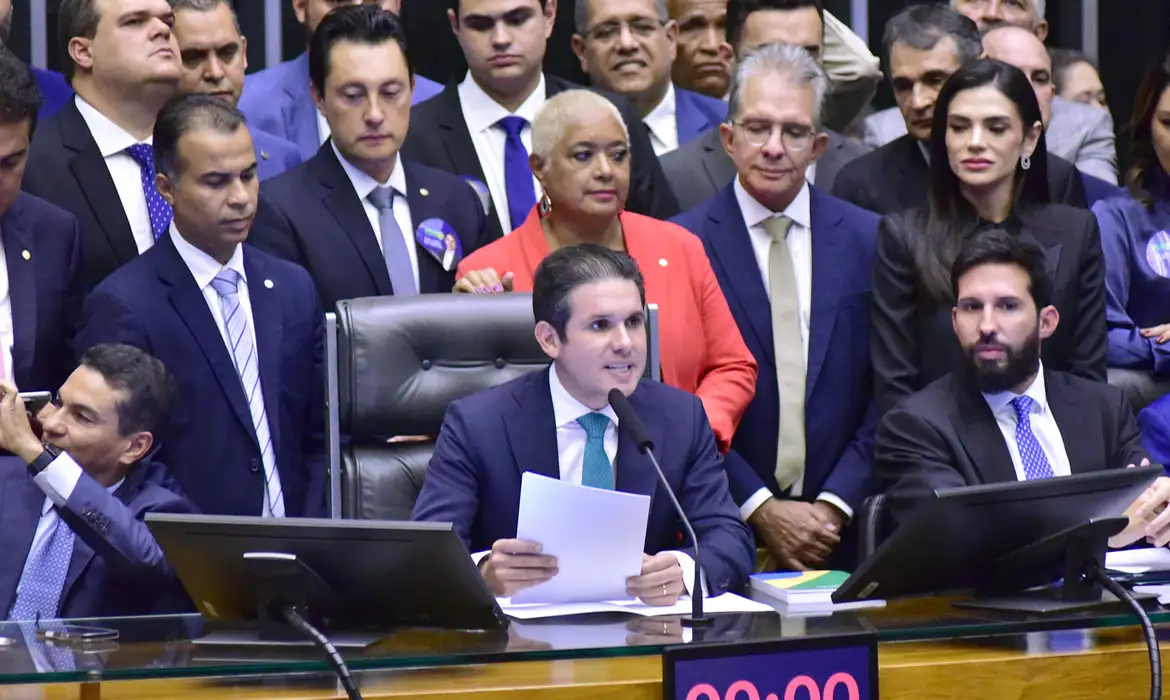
43, 460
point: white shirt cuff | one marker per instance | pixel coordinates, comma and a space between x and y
59, 479
835, 500
688, 570
477, 557
751, 505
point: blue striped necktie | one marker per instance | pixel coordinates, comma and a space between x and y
226, 285
1035, 462
596, 470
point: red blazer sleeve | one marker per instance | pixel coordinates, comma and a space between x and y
727, 383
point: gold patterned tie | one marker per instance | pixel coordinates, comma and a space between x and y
789, 348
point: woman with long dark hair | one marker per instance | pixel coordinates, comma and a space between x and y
988, 170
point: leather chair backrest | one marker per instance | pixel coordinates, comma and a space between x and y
1141, 388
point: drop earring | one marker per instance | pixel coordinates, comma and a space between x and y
1026, 162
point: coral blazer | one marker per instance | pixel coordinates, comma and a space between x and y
701, 348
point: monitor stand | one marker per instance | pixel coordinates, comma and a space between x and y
1074, 552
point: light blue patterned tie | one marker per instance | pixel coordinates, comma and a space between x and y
226, 285
160, 211
39, 592
1035, 462
394, 248
596, 470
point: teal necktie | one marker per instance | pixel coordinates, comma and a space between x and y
597, 471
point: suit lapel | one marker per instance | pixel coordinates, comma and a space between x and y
1036, 229
20, 510
826, 284
1076, 427
299, 111
732, 247
827, 165
530, 427
22, 289
717, 164
191, 306
89, 168
341, 200
915, 172
634, 472
431, 275
689, 119
981, 436
462, 158
269, 324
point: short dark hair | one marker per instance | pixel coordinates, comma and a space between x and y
738, 12
361, 24
180, 115
148, 385
20, 98
75, 18
1063, 59
205, 6
998, 247
565, 269
921, 27
453, 5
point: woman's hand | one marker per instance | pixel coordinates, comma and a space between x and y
484, 282
1160, 334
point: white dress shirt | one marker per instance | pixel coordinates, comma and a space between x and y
112, 141
323, 129
363, 185
7, 331
481, 113
662, 121
800, 248
1044, 426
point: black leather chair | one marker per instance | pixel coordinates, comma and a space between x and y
399, 363
874, 526
1141, 388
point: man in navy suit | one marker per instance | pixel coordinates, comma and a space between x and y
629, 48
278, 100
362, 220
40, 276
588, 302
243, 331
72, 506
55, 92
215, 57
794, 264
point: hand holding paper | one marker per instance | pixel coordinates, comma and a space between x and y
514, 565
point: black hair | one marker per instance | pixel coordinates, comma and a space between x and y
360, 24
149, 387
738, 12
205, 6
921, 27
20, 98
75, 18
1145, 178
180, 115
453, 5
1063, 59
998, 247
565, 269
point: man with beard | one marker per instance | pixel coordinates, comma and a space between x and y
1003, 416
55, 92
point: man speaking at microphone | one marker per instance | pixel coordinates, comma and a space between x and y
589, 304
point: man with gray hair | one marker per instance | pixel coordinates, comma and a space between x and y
1028, 15
242, 331
794, 264
628, 47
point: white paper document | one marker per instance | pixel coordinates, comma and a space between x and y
1138, 561
726, 603
597, 536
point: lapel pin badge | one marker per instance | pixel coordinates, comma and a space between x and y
263, 155
662, 262
425, 192
26, 255
268, 284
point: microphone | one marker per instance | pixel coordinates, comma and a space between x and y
628, 421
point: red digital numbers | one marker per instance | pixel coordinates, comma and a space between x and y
746, 690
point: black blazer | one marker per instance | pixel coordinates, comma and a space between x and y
896, 177
311, 216
66, 168
913, 340
946, 436
439, 138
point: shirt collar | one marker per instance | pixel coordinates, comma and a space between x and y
662, 119
925, 151
482, 112
203, 267
567, 409
110, 138
363, 184
1000, 401
755, 214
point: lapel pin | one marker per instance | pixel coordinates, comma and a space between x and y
662, 262
268, 284
425, 192
263, 155
26, 255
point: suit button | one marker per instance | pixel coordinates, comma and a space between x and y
426, 364
501, 363
254, 465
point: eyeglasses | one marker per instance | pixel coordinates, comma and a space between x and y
794, 137
610, 31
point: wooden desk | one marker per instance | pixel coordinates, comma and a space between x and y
1116, 667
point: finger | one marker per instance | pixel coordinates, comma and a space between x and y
1159, 527
508, 281
516, 546
793, 563
463, 286
828, 538
530, 576
659, 562
656, 579
1145, 461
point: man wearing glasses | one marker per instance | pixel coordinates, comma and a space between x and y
628, 47
794, 264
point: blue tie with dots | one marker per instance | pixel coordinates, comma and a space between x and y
39, 591
160, 211
1035, 462
597, 471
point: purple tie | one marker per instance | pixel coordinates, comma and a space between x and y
1035, 462
160, 211
517, 172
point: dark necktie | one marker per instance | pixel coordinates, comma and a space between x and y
517, 172
160, 211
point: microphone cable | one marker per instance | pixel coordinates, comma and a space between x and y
1099, 575
295, 619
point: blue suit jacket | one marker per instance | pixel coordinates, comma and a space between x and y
490, 439
1097, 190
839, 416
153, 303
117, 568
311, 216
695, 113
274, 155
278, 100
42, 251
55, 91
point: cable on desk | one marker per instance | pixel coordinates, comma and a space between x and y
1118, 590
294, 618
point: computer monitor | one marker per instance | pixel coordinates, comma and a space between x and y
348, 575
965, 538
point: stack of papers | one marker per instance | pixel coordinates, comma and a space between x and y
726, 603
804, 592
1138, 561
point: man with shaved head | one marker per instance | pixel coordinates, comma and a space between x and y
1076, 132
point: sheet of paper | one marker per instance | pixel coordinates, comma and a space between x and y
1162, 591
596, 535
726, 603
1139, 561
